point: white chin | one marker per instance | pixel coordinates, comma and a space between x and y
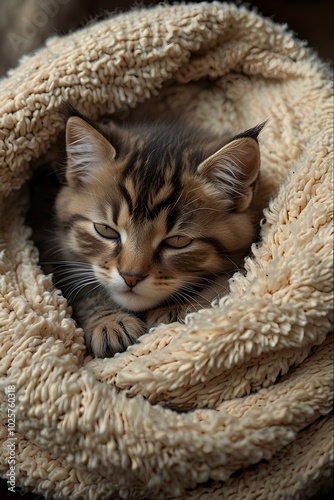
134, 302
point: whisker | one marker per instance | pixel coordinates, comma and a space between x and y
68, 263
198, 209
178, 199
73, 291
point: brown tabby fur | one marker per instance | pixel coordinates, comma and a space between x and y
152, 220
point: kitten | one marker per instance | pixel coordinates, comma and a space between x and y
152, 220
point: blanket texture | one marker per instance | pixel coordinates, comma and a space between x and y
235, 403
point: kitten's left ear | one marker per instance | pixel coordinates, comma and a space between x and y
86, 150
233, 170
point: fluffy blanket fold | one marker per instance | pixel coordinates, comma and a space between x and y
244, 387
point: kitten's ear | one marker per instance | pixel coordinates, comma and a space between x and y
86, 149
233, 171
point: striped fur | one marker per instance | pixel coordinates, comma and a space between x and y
152, 220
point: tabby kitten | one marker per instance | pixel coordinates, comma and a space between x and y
152, 220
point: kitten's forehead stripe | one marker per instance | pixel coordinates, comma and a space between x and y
116, 207
111, 211
127, 197
152, 175
161, 205
172, 218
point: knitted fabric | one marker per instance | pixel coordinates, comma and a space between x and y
243, 387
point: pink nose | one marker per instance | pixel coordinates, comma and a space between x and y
131, 279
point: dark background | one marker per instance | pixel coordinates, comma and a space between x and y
25, 24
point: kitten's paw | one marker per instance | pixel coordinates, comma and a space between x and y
164, 315
113, 333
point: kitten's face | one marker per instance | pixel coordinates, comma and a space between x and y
154, 214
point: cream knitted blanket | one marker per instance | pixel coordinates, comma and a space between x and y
244, 387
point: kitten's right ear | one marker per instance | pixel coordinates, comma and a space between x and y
234, 169
86, 150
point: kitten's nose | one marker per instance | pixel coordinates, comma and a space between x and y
131, 279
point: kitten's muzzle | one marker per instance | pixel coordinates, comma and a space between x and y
131, 280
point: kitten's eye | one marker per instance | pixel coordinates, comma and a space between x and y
106, 231
177, 241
